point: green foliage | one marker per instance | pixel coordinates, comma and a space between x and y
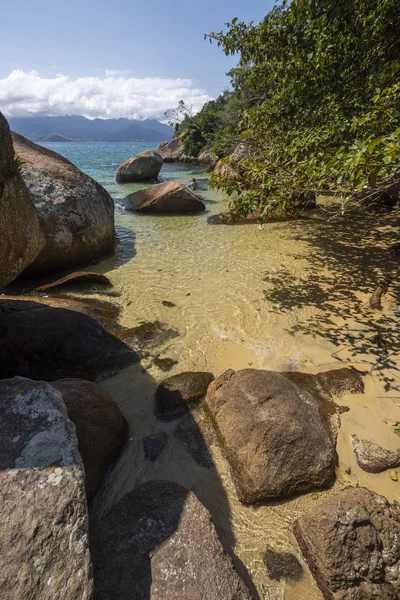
318, 94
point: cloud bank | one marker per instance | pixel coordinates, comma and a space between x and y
114, 95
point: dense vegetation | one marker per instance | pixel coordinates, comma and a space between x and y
315, 103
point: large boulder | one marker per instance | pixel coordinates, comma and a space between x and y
76, 213
352, 543
176, 392
55, 341
172, 151
44, 546
275, 438
21, 239
167, 197
101, 428
144, 166
159, 542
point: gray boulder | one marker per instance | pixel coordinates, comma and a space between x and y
76, 213
275, 437
144, 166
44, 529
159, 542
167, 197
373, 458
21, 239
352, 545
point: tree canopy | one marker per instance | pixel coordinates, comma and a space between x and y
315, 100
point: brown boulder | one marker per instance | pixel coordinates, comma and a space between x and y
352, 544
76, 213
178, 391
21, 239
49, 339
101, 428
272, 433
172, 151
159, 542
44, 546
144, 166
373, 458
167, 197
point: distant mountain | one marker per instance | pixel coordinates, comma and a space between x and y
79, 129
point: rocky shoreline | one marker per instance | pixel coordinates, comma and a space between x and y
62, 434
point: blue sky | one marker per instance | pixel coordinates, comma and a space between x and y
88, 40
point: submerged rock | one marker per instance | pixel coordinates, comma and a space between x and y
76, 213
272, 433
373, 458
167, 197
144, 166
76, 277
50, 339
101, 428
178, 391
44, 529
352, 545
282, 565
159, 542
190, 434
21, 238
154, 444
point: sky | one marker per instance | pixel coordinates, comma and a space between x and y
106, 59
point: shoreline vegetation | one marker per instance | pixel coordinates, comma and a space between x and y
213, 412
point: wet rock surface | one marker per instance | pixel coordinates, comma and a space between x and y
176, 392
44, 529
76, 213
191, 435
282, 565
159, 542
352, 544
272, 434
52, 340
167, 197
154, 444
101, 428
373, 458
21, 237
75, 277
144, 166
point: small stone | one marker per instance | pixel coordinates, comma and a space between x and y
282, 565
394, 476
167, 303
154, 444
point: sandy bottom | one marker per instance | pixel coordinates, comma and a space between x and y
280, 297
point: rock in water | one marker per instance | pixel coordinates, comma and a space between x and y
144, 166
101, 428
352, 544
76, 277
373, 458
168, 197
76, 213
178, 391
44, 548
159, 542
50, 342
21, 239
273, 435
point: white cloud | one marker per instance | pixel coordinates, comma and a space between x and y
116, 94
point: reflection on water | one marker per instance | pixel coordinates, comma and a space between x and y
285, 297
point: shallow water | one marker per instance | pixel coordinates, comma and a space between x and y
280, 296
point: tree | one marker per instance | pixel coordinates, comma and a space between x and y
319, 82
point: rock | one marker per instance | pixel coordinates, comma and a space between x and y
76, 213
154, 444
101, 428
167, 197
44, 529
144, 166
352, 544
373, 458
159, 542
21, 238
165, 364
207, 158
282, 565
76, 277
179, 390
49, 339
241, 152
173, 151
273, 435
